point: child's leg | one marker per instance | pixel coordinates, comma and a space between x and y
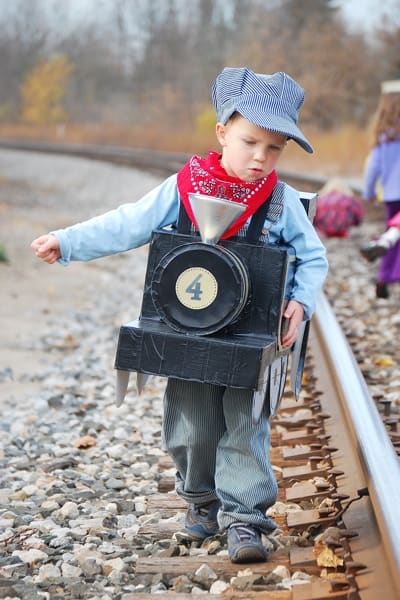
389, 266
386, 241
193, 425
390, 237
380, 246
244, 477
219, 452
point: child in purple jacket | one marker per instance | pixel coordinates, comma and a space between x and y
384, 166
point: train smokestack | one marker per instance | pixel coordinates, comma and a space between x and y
214, 215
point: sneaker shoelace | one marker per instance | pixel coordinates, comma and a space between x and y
244, 533
203, 511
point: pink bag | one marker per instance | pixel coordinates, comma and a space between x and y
336, 213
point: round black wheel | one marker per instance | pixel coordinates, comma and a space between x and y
200, 288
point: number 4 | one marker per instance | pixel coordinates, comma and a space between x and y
194, 288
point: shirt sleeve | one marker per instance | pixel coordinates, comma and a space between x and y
309, 266
128, 226
372, 174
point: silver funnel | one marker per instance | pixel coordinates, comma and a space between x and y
214, 215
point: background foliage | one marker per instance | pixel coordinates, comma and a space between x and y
43, 90
147, 67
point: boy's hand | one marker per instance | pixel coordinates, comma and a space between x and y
294, 313
47, 248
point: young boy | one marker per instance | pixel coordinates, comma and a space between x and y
221, 456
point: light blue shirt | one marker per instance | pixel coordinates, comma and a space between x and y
131, 226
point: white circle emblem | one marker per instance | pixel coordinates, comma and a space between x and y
196, 288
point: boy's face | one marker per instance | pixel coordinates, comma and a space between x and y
248, 152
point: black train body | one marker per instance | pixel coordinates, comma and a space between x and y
212, 313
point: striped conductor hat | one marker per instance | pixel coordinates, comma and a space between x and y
269, 101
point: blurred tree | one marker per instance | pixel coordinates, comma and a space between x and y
153, 61
23, 38
297, 15
167, 70
389, 38
336, 68
43, 91
98, 81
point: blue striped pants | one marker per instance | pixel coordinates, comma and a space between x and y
218, 451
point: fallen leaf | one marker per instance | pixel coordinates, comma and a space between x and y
384, 360
68, 342
85, 442
325, 557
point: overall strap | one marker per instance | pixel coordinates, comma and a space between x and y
254, 230
271, 210
184, 224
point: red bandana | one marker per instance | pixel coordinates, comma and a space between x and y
207, 176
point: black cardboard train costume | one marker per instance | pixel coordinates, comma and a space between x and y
233, 338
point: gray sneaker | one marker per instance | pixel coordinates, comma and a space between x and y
245, 545
201, 520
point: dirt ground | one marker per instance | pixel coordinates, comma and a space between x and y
39, 193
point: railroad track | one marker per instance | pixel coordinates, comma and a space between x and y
338, 500
159, 162
338, 474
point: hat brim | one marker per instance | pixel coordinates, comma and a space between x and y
278, 125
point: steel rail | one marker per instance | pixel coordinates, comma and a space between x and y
378, 459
